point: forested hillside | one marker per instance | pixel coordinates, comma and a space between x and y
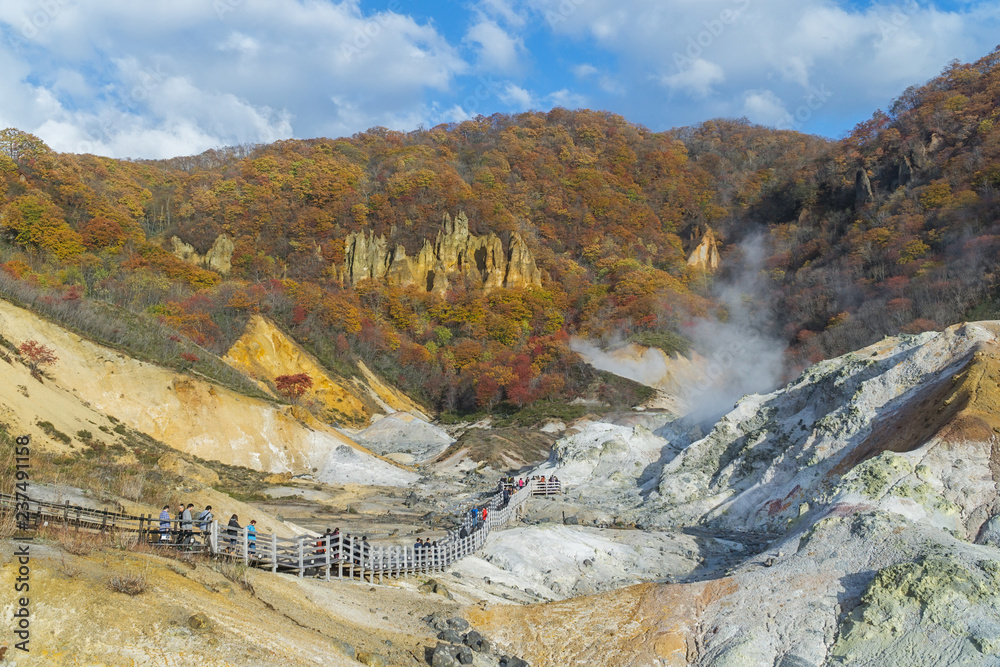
893, 228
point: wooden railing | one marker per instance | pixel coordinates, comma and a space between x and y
39, 513
328, 556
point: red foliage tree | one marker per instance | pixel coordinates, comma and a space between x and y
293, 386
35, 355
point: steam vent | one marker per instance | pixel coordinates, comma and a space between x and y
454, 252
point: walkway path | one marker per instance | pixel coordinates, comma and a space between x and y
328, 556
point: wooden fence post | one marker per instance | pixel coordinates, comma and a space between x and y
326, 552
274, 552
301, 558
246, 546
351, 556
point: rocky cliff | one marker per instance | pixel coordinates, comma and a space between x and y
218, 258
456, 251
705, 256
263, 352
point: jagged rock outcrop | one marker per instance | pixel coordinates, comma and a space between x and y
219, 257
905, 171
455, 251
862, 188
706, 254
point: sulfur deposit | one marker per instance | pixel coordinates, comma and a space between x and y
93, 387
263, 352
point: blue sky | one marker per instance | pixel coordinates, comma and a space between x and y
137, 78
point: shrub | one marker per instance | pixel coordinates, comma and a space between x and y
131, 581
293, 386
53, 432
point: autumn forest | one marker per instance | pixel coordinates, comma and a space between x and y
893, 228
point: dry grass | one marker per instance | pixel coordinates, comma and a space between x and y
129, 485
238, 573
131, 580
69, 569
8, 524
126, 541
78, 543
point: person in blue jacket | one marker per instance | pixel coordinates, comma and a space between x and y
252, 537
165, 524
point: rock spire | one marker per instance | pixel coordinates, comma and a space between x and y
455, 251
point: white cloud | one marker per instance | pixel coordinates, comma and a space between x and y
567, 99
516, 97
713, 55
697, 78
498, 51
457, 114
159, 79
764, 107
154, 79
242, 43
503, 10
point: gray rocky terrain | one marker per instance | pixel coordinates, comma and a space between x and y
850, 517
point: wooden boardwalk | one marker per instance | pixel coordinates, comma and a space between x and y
328, 556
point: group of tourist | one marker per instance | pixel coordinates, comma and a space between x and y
510, 483
181, 529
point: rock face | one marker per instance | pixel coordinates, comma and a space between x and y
862, 188
94, 386
670, 375
264, 353
607, 458
908, 422
218, 258
455, 252
405, 438
706, 254
585, 560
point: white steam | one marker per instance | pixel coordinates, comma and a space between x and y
740, 356
730, 356
648, 367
